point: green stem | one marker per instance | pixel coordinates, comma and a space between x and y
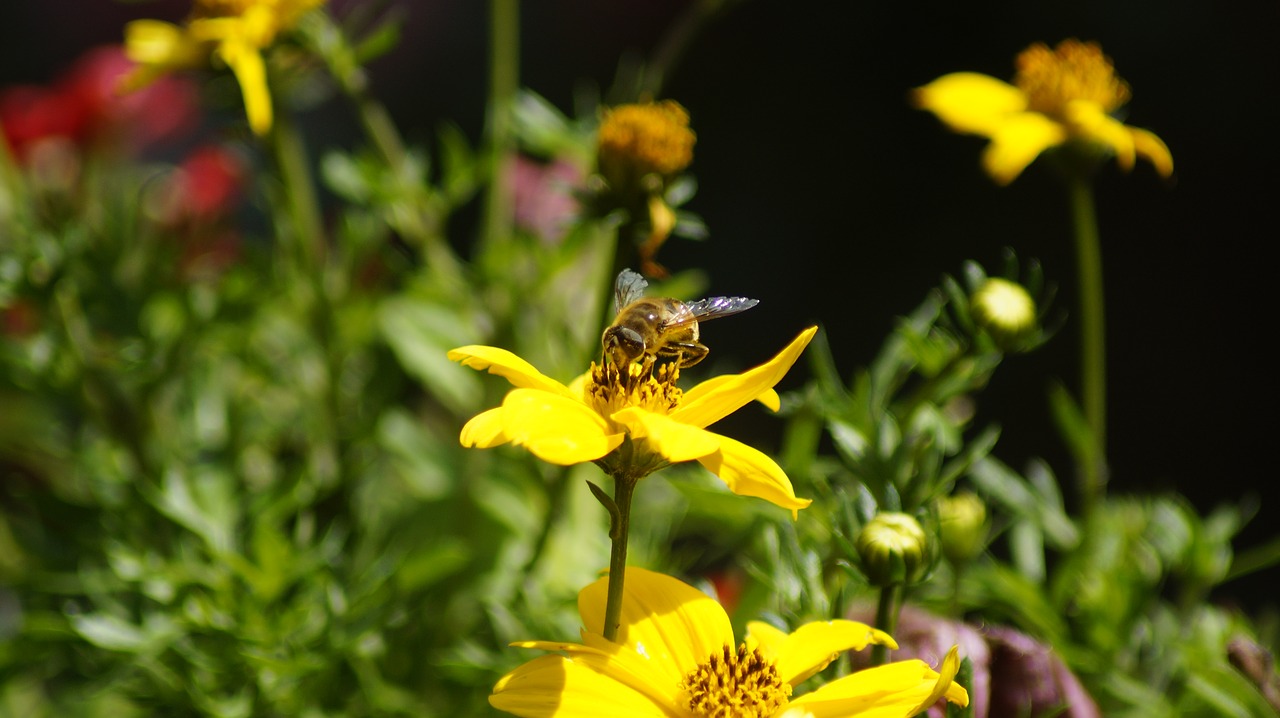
504, 73
624, 488
886, 620
1092, 336
299, 194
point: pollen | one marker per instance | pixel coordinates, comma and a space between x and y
1072, 71
646, 385
741, 684
651, 138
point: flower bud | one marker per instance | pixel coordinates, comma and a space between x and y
1005, 310
893, 549
962, 526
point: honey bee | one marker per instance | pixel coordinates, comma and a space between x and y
650, 328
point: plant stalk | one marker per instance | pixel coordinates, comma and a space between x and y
624, 488
1093, 368
504, 76
886, 620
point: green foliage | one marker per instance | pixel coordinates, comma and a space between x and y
232, 485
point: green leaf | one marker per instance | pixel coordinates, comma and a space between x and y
1003, 486
421, 335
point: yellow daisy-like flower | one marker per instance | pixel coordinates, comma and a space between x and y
635, 424
234, 32
1058, 96
676, 657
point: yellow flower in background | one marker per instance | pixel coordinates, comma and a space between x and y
232, 32
1067, 94
640, 148
644, 139
636, 424
676, 656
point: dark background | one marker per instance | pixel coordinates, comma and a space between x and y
833, 201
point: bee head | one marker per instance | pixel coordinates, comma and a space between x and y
623, 345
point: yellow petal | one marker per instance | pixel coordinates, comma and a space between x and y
765, 636
768, 398
1019, 140
510, 367
674, 625
970, 102
813, 646
945, 684
247, 65
663, 435
1154, 149
554, 428
485, 430
749, 472
556, 686
162, 44
1088, 120
895, 690
728, 394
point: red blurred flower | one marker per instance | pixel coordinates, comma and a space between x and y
83, 106
204, 187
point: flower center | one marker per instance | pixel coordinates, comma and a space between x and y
1073, 71
648, 385
648, 138
736, 685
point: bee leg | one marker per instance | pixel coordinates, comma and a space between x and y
691, 353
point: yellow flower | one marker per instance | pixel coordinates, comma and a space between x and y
234, 32
1063, 95
675, 656
638, 140
633, 425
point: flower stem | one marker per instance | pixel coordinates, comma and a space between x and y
623, 489
1092, 336
299, 194
504, 74
886, 620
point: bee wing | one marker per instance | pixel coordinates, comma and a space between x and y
628, 287
710, 308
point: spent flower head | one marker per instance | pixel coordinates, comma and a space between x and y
634, 420
1065, 96
233, 33
676, 655
640, 150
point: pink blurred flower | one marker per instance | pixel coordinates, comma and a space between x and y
544, 196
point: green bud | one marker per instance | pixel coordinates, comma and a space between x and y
1005, 310
962, 526
893, 549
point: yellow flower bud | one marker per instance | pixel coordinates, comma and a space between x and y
636, 141
1005, 310
893, 549
962, 526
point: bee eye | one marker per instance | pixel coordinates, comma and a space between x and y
623, 344
630, 340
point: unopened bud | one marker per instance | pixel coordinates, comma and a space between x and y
962, 526
1005, 310
893, 549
